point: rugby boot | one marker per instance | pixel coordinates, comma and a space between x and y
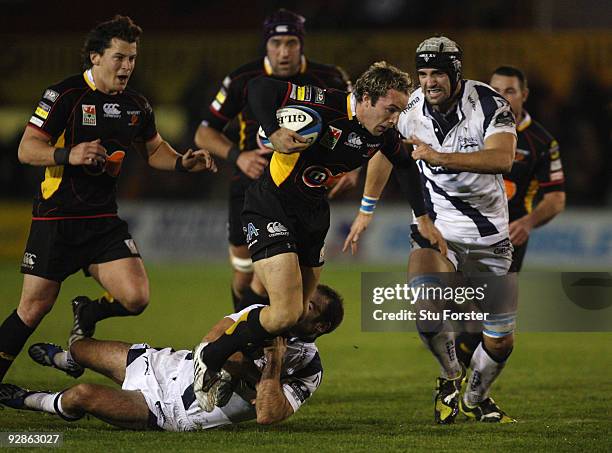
211, 388
81, 328
14, 397
43, 354
446, 400
485, 411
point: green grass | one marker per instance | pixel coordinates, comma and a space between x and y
377, 387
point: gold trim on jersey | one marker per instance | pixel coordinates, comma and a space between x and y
53, 175
525, 122
242, 132
89, 80
532, 190
268, 65
349, 106
282, 165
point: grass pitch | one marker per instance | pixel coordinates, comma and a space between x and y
377, 387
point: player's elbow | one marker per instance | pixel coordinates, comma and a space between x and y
200, 136
505, 166
268, 418
22, 154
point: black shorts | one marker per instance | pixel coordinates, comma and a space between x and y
275, 224
518, 255
59, 248
236, 235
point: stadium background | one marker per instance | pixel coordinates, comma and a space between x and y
178, 221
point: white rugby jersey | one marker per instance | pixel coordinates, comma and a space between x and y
301, 375
463, 205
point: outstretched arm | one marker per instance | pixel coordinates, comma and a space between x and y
162, 156
271, 403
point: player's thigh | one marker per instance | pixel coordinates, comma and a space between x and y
427, 260
37, 298
105, 357
125, 279
282, 279
310, 280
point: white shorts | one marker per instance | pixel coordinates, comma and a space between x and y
165, 379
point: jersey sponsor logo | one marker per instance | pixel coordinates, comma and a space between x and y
502, 248
300, 391
331, 137
111, 111
317, 176
472, 102
276, 229
467, 142
131, 245
28, 260
319, 97
412, 103
89, 114
250, 231
51, 95
354, 140
134, 116
304, 93
504, 118
281, 29
36, 121
427, 56
43, 110
221, 96
227, 82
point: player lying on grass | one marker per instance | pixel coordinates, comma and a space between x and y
157, 384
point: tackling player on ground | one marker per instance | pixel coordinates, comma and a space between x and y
291, 196
157, 384
464, 138
284, 60
81, 130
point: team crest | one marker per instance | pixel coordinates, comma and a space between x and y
89, 115
331, 137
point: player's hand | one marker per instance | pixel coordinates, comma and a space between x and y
347, 182
251, 163
360, 224
429, 231
519, 231
287, 142
199, 160
422, 151
276, 349
88, 153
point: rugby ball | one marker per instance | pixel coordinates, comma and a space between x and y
303, 120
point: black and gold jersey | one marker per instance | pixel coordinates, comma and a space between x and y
231, 100
537, 167
73, 112
343, 144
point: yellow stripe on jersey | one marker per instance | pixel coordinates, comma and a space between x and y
531, 193
349, 110
242, 318
282, 165
53, 175
88, 76
242, 132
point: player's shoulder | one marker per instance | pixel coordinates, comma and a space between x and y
138, 97
415, 101
331, 75
72, 83
475, 91
303, 358
246, 72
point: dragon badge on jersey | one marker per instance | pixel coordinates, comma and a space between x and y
331, 137
89, 114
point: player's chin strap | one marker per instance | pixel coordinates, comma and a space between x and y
244, 265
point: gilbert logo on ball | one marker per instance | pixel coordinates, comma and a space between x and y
303, 120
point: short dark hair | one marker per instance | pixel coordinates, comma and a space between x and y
333, 313
99, 38
511, 71
379, 79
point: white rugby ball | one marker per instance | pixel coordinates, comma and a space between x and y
301, 119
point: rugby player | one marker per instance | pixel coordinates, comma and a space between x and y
536, 171
284, 59
464, 138
80, 132
286, 214
157, 384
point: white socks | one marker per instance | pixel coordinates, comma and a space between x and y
484, 372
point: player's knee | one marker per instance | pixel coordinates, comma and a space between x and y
136, 300
32, 311
285, 318
78, 398
500, 347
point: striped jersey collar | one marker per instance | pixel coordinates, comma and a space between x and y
525, 122
351, 106
89, 80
